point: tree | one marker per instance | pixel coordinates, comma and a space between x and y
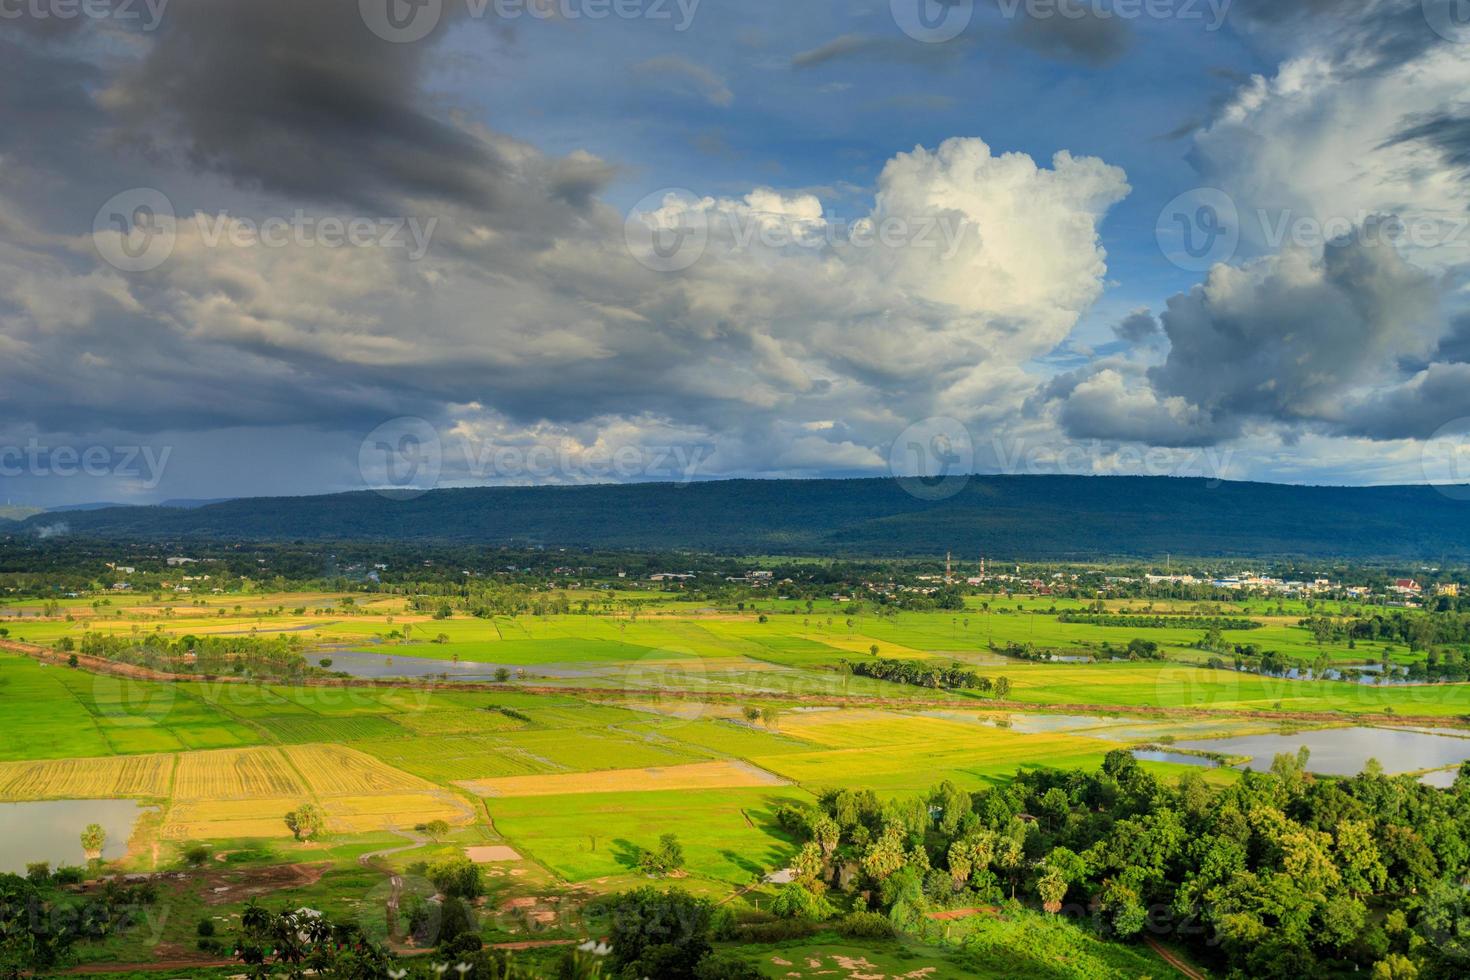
659, 934
94, 839
751, 713
306, 822
502, 674
30, 940
1395, 967
1002, 687
664, 859
437, 829
299, 943
456, 877
770, 716
325, 663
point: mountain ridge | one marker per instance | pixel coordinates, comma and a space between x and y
1035, 516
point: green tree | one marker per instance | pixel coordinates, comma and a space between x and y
664, 859
661, 934
457, 877
306, 822
94, 839
31, 943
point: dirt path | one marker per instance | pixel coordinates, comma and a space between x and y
1173, 959
395, 880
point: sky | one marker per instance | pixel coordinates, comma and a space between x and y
267, 247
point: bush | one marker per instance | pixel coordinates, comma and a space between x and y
725, 966
795, 902
38, 873
776, 931
866, 925
69, 875
196, 854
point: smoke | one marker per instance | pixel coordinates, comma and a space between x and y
48, 531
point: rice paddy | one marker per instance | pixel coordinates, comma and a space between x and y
636, 727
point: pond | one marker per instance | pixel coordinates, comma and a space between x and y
381, 665
1344, 751
51, 830
1178, 758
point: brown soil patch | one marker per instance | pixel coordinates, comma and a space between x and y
491, 854
221, 887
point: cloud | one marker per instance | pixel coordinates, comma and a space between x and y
1077, 32
872, 48
1289, 340
667, 69
1139, 328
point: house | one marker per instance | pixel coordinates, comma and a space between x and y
1406, 586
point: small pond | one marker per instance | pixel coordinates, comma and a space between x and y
51, 830
1344, 751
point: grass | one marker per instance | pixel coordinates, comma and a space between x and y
729, 835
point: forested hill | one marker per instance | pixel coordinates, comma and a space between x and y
1030, 516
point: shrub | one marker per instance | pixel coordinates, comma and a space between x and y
69, 875
205, 928
866, 925
795, 902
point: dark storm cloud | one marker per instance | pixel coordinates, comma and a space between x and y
301, 99
1446, 130
1138, 327
1416, 409
1370, 35
1075, 32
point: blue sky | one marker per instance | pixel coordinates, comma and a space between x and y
527, 155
